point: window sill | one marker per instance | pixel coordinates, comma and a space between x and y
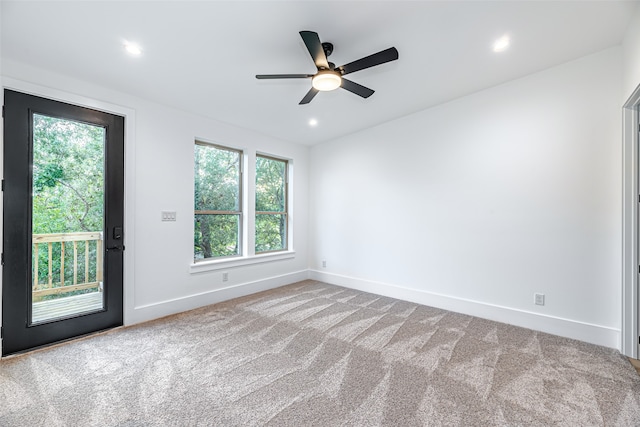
220, 264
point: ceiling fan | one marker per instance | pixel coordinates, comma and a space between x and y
330, 77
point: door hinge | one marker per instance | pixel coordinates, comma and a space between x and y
2, 259
1, 332
3, 185
3, 111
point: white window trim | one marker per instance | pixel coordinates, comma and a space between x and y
239, 261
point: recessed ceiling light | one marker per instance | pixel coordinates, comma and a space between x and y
313, 122
132, 48
501, 44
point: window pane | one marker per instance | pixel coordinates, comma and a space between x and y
67, 217
270, 184
217, 179
271, 232
216, 235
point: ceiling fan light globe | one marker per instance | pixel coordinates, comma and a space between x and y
326, 81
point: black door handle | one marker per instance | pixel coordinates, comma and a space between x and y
116, 248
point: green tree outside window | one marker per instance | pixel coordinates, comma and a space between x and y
271, 204
218, 202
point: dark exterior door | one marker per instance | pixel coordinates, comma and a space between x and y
63, 221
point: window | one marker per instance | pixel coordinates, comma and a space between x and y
218, 202
223, 235
271, 204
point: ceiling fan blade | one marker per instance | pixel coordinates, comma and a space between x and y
381, 57
283, 76
353, 87
312, 41
309, 96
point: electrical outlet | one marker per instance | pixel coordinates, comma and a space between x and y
225, 276
538, 299
324, 264
168, 216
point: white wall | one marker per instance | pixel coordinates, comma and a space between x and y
473, 205
159, 175
631, 55
476, 204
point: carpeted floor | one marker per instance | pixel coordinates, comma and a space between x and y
316, 354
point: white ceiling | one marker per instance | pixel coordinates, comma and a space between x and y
202, 56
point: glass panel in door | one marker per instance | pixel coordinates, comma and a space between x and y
67, 218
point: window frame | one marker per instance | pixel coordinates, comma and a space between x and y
248, 256
286, 204
240, 212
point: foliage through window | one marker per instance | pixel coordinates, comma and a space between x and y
271, 204
67, 198
218, 202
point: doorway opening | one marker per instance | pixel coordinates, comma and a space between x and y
630, 338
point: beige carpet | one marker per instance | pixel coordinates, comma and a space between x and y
316, 354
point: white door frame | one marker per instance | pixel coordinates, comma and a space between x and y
630, 200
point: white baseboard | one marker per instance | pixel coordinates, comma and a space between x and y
165, 308
594, 334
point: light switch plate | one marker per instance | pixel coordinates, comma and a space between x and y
168, 215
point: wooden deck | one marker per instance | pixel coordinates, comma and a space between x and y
68, 306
